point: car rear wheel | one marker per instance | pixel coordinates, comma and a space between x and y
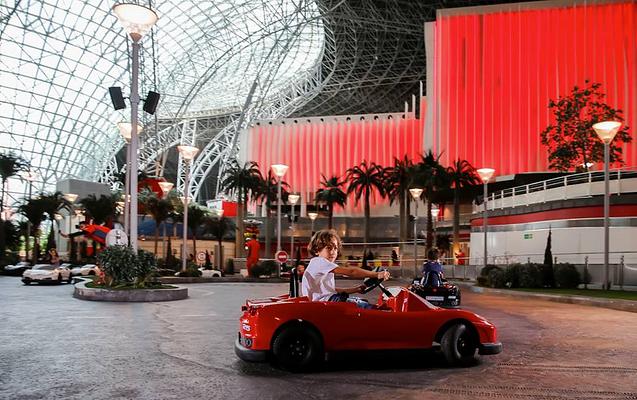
297, 348
59, 278
459, 345
69, 279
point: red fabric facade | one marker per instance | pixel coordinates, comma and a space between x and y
496, 71
329, 147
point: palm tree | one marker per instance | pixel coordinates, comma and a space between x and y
432, 177
53, 203
331, 194
461, 175
34, 210
267, 193
158, 208
100, 210
241, 180
398, 181
196, 217
218, 228
363, 180
10, 165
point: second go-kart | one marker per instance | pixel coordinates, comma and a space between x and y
438, 292
296, 333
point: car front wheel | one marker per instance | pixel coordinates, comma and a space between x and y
297, 348
459, 345
69, 279
59, 278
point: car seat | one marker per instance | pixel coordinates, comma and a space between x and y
431, 279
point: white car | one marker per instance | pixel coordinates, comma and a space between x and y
47, 273
210, 273
84, 270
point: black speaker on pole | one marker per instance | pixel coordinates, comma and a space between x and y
150, 104
116, 97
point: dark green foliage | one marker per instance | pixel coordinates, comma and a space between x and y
229, 267
267, 267
548, 278
331, 194
100, 210
530, 276
497, 278
485, 271
364, 180
482, 280
191, 271
571, 141
513, 275
121, 266
567, 276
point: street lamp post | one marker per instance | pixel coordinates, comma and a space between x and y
125, 130
166, 187
279, 170
434, 215
30, 176
188, 153
485, 175
70, 197
137, 21
606, 131
312, 216
415, 194
293, 199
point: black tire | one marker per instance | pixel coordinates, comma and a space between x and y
459, 345
59, 279
91, 273
27, 283
70, 279
297, 348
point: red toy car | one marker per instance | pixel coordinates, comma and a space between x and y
297, 333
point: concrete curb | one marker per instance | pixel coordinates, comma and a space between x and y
615, 304
169, 280
138, 295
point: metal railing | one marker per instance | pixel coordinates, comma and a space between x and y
573, 186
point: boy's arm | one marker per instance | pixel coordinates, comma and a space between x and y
360, 273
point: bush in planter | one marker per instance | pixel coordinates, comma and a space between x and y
512, 275
121, 266
192, 271
567, 276
485, 271
229, 268
267, 267
482, 280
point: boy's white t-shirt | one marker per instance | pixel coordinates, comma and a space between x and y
318, 282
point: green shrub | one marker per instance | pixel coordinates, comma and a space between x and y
122, 266
191, 271
512, 275
229, 268
267, 267
530, 276
485, 271
482, 280
567, 276
497, 278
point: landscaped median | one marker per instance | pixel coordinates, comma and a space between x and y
614, 299
164, 293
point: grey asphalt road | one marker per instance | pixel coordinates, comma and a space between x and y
56, 347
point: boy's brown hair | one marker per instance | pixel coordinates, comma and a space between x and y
321, 240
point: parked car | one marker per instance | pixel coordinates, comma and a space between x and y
210, 273
296, 333
85, 270
47, 273
17, 269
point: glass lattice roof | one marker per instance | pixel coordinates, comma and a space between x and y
57, 59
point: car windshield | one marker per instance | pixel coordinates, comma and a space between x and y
45, 267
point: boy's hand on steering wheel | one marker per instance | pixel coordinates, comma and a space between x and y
361, 288
383, 275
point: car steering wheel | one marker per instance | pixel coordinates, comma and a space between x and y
373, 283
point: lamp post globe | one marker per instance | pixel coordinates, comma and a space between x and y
606, 132
312, 216
293, 198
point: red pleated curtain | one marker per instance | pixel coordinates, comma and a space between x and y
497, 67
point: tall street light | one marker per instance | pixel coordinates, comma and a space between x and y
29, 176
606, 131
70, 197
293, 199
485, 175
434, 215
279, 170
137, 21
188, 153
312, 216
166, 187
125, 130
415, 193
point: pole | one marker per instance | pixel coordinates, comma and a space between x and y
416, 241
28, 241
485, 223
134, 99
606, 214
292, 235
184, 244
278, 213
127, 192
